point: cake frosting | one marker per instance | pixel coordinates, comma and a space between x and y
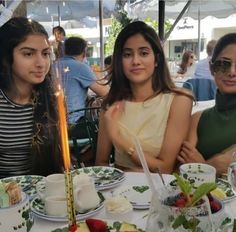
118, 204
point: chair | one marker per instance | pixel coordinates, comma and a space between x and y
203, 89
83, 134
181, 84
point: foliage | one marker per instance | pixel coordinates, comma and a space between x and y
154, 23
118, 22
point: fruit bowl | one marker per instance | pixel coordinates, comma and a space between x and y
184, 208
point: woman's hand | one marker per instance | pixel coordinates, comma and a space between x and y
112, 117
222, 160
189, 154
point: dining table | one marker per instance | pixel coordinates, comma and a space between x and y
139, 217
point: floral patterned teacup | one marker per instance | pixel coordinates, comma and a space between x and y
18, 217
198, 173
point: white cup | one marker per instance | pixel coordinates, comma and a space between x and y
85, 194
56, 206
198, 173
17, 217
54, 186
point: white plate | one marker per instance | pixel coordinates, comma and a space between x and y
104, 177
112, 224
138, 195
227, 189
37, 207
27, 183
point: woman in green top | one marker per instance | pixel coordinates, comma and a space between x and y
212, 135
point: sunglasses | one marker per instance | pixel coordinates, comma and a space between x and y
222, 66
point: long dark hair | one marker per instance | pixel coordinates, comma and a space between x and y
161, 80
46, 158
223, 42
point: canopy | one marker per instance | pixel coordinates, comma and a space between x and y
217, 8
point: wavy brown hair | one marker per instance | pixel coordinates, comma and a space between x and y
45, 151
161, 79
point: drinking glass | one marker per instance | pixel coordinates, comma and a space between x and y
232, 172
161, 216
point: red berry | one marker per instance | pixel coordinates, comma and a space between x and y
180, 203
215, 206
96, 225
210, 197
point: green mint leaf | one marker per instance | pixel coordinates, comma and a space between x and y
201, 191
184, 185
234, 226
226, 221
180, 220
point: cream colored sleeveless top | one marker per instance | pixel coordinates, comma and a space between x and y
147, 121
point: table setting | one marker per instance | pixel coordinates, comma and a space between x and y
139, 216
106, 199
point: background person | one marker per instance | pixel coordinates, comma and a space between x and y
142, 102
203, 66
77, 77
212, 135
187, 65
28, 126
60, 37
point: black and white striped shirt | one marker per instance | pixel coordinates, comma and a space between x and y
16, 128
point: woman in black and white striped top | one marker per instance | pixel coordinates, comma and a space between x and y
29, 142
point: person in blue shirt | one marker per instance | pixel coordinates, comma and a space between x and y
77, 77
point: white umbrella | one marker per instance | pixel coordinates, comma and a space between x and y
217, 8
175, 9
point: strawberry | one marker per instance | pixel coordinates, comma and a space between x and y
96, 225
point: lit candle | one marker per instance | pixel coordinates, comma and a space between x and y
72, 226
63, 128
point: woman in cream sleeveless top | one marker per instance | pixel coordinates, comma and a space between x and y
142, 103
147, 121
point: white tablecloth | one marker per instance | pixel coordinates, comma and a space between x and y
139, 216
202, 105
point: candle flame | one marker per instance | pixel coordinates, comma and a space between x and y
63, 128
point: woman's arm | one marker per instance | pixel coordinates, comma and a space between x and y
104, 144
176, 133
189, 154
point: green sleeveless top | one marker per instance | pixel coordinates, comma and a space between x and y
216, 129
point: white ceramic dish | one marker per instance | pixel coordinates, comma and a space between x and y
37, 207
104, 177
112, 224
17, 217
138, 195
